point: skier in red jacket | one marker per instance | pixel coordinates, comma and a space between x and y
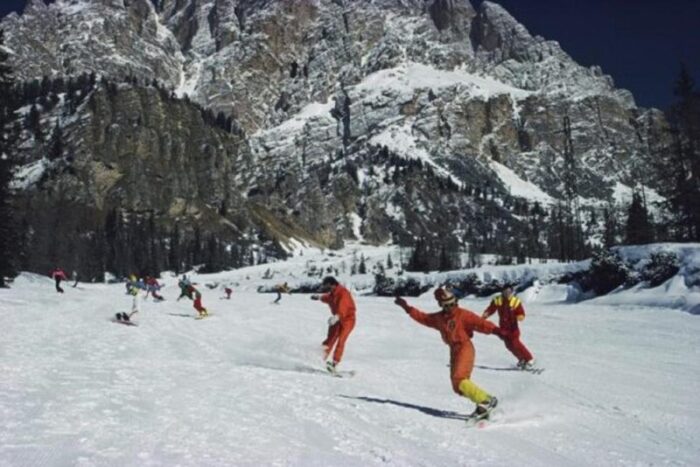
58, 275
510, 312
341, 322
456, 326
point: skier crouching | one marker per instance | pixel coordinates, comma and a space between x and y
342, 320
456, 326
188, 290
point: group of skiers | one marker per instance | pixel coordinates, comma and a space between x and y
455, 324
150, 285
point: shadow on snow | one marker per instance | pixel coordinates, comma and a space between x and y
426, 410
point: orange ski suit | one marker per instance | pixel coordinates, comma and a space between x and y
343, 306
457, 328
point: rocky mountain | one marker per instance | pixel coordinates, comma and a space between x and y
363, 119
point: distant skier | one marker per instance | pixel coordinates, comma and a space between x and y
510, 312
58, 275
152, 287
133, 288
133, 281
228, 291
187, 290
456, 326
341, 322
280, 289
74, 276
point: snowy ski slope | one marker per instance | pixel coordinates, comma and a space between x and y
245, 387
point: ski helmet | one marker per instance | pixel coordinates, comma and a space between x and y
445, 297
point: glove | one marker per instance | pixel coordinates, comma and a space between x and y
402, 303
332, 320
315, 297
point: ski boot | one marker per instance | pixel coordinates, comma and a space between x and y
122, 317
331, 367
526, 365
483, 410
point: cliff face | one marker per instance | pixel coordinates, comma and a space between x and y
371, 119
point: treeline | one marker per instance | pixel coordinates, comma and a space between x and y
136, 243
42, 96
677, 163
8, 229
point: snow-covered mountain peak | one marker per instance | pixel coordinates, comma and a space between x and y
497, 29
337, 103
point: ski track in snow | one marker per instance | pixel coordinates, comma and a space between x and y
242, 387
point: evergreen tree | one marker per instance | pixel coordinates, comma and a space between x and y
33, 122
362, 269
678, 164
420, 260
638, 229
8, 237
685, 120
56, 143
610, 231
444, 262
111, 236
174, 254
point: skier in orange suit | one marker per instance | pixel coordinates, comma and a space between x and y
341, 322
456, 326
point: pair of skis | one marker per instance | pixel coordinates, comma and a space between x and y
533, 370
125, 318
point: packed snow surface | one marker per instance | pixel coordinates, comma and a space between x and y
518, 186
246, 386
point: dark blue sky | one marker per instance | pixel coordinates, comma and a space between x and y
639, 42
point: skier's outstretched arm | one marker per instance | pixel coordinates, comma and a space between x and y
490, 310
426, 319
482, 325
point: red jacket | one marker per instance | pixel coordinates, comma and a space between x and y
509, 312
341, 303
60, 273
456, 326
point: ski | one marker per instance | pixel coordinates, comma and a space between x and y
118, 318
126, 323
482, 421
477, 421
534, 371
342, 373
333, 371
